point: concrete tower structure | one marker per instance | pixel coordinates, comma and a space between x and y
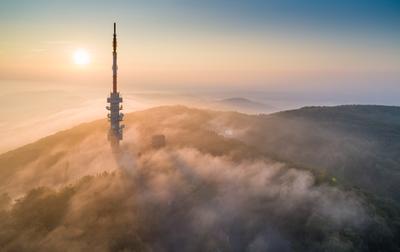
115, 101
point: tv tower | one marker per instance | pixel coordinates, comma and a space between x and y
115, 101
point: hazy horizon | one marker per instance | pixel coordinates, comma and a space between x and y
49, 107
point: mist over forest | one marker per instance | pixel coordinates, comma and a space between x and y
290, 181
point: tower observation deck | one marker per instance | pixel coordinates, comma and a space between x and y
115, 101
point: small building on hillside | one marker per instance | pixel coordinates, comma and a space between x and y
158, 141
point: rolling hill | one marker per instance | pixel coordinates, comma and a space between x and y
312, 179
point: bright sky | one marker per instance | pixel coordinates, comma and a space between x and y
276, 45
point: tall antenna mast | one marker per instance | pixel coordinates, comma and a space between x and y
115, 67
115, 117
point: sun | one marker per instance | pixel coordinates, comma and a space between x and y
81, 57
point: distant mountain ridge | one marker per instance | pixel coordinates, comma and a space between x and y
384, 114
244, 104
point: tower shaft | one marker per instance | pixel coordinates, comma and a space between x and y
114, 66
115, 101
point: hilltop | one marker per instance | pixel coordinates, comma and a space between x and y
327, 172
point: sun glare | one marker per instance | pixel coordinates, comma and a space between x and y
81, 57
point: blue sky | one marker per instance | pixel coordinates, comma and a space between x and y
379, 16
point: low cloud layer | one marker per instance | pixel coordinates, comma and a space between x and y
184, 200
